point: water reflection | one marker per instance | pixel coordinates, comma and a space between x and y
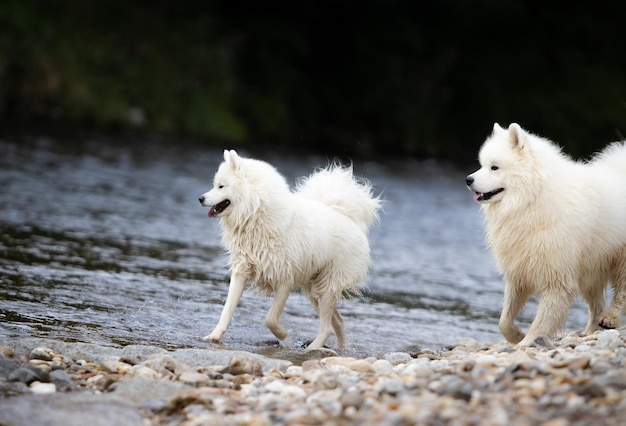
110, 246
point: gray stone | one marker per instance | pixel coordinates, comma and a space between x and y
140, 390
41, 353
396, 358
62, 380
87, 351
609, 339
24, 375
6, 367
70, 409
467, 344
9, 389
240, 364
541, 342
135, 354
209, 358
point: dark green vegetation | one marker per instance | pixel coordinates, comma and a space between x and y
355, 78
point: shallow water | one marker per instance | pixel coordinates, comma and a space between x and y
110, 245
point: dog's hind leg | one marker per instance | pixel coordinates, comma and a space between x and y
327, 305
235, 290
272, 319
515, 297
611, 318
339, 330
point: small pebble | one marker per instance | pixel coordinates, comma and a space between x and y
42, 388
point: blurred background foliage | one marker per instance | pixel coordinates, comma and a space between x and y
364, 79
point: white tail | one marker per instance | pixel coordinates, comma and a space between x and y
337, 187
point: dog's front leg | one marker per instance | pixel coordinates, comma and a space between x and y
515, 297
235, 290
551, 312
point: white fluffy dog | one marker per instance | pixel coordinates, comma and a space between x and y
557, 228
314, 238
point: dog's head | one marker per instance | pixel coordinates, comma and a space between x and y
220, 198
244, 187
502, 164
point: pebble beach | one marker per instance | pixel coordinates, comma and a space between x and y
578, 380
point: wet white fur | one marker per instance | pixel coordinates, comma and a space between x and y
313, 238
558, 229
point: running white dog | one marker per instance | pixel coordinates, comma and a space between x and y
314, 238
557, 228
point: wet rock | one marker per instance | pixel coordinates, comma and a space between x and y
320, 353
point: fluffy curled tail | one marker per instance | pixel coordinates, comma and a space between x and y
339, 189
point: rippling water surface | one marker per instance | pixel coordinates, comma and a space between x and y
110, 245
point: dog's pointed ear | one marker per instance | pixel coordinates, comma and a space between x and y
231, 157
517, 136
497, 128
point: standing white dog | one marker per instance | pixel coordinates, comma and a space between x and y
557, 228
314, 238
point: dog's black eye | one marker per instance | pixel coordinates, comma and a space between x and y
220, 186
494, 167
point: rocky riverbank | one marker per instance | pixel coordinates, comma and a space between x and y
571, 380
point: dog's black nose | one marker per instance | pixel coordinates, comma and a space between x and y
469, 180
201, 199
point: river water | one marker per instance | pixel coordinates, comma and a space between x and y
108, 244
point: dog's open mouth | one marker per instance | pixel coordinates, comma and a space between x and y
218, 208
484, 196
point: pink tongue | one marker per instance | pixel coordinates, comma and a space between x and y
211, 211
475, 198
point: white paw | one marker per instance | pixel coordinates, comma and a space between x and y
214, 337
